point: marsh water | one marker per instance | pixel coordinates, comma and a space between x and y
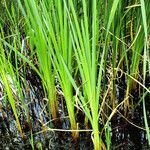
127, 133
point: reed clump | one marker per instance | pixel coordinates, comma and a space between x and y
90, 47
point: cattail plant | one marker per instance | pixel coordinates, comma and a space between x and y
37, 33
7, 76
85, 43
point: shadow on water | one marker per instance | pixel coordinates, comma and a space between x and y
128, 132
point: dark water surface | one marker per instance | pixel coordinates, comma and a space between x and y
126, 133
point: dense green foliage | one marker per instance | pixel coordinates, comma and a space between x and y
88, 46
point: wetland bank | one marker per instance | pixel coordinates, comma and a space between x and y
75, 74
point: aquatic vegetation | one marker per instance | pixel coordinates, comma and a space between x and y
92, 54
38, 38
